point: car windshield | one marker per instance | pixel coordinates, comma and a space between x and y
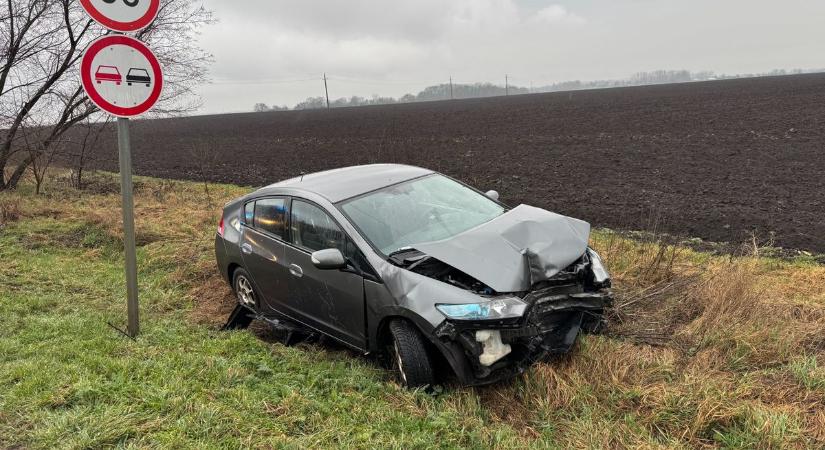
421, 210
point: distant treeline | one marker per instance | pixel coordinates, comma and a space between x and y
439, 92
457, 91
663, 77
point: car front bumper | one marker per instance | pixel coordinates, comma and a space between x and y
554, 318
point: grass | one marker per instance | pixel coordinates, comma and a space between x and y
702, 350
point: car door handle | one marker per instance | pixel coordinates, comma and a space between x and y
246, 248
296, 270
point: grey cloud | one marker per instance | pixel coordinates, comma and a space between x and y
416, 20
389, 44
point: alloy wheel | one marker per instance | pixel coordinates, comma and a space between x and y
246, 295
398, 364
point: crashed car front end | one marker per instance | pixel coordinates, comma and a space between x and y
501, 335
543, 322
494, 288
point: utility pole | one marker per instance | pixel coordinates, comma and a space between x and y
326, 90
451, 87
506, 84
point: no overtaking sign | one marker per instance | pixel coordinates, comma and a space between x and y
122, 77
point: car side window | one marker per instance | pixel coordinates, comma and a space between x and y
249, 214
313, 229
270, 216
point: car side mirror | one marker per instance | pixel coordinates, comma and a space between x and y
492, 194
328, 259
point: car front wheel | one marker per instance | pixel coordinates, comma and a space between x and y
409, 355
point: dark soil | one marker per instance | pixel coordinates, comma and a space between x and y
718, 160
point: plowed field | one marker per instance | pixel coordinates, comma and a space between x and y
718, 160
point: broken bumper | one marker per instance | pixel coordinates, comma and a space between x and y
483, 352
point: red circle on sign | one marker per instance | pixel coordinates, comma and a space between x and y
123, 27
90, 87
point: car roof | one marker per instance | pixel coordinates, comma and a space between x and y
347, 182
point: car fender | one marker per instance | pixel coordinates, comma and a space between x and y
450, 351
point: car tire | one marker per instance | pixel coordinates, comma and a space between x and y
244, 289
409, 355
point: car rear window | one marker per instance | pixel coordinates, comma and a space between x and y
270, 216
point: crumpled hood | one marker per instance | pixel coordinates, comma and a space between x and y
516, 249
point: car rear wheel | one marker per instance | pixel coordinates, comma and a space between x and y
409, 355
244, 290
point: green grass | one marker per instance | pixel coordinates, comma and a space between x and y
70, 380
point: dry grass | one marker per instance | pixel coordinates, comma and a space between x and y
701, 352
9, 210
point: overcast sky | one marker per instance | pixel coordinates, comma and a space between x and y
275, 51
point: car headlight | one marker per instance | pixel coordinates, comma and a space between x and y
507, 308
600, 274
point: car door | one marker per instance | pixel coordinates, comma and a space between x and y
263, 230
330, 300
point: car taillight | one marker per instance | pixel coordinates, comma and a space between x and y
220, 227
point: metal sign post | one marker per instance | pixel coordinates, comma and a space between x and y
123, 78
125, 152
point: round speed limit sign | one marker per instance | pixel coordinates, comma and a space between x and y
124, 16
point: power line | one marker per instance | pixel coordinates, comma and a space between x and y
373, 81
263, 81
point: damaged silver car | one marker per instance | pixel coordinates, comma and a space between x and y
406, 262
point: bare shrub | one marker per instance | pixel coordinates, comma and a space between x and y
651, 279
643, 263
162, 189
89, 133
206, 157
9, 210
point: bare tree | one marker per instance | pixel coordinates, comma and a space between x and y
207, 157
40, 159
42, 40
41, 43
89, 134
